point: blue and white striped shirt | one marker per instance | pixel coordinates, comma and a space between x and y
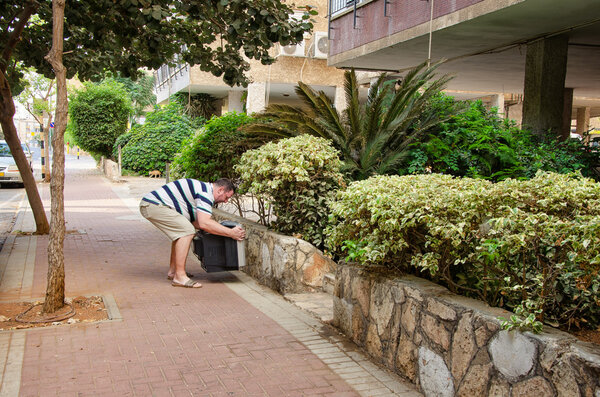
185, 196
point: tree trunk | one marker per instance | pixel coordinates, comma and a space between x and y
55, 290
7, 111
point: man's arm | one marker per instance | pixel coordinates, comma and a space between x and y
205, 222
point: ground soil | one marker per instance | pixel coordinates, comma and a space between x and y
588, 335
86, 310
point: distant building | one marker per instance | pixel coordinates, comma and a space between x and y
306, 61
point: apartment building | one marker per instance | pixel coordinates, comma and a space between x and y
537, 58
306, 62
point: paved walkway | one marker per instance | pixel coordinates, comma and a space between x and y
232, 337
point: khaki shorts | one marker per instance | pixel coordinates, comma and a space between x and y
167, 220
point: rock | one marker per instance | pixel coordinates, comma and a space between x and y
512, 354
434, 377
483, 335
361, 291
358, 325
409, 316
342, 315
475, 382
436, 331
499, 388
406, 358
437, 308
463, 347
4, 318
564, 380
314, 269
373, 343
381, 307
536, 386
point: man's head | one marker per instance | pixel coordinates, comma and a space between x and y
223, 189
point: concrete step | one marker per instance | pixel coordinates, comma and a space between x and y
328, 283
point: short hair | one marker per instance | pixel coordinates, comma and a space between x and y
226, 183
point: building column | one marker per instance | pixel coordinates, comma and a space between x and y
567, 114
583, 120
545, 71
256, 99
339, 100
234, 101
497, 101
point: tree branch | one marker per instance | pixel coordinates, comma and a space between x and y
14, 38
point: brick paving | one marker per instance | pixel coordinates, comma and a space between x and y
213, 341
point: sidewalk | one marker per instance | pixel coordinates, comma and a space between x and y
232, 337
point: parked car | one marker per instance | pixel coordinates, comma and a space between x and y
9, 173
28, 153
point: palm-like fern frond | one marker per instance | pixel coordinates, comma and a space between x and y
373, 137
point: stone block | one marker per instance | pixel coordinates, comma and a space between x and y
445, 312
513, 354
315, 268
409, 316
564, 380
406, 358
499, 388
463, 347
361, 291
536, 386
475, 382
342, 315
382, 306
373, 343
435, 330
358, 325
434, 377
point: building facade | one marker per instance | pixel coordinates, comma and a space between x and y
306, 62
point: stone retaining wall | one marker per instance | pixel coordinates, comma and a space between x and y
284, 264
453, 346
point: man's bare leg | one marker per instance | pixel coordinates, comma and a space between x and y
179, 253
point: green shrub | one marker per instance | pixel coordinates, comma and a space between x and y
153, 144
298, 176
98, 115
533, 243
215, 149
479, 144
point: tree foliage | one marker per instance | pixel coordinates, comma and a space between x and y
156, 142
127, 35
372, 137
99, 114
215, 149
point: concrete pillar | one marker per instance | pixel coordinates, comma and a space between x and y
256, 100
234, 101
583, 120
545, 70
567, 110
339, 101
497, 101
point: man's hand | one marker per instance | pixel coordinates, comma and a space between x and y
237, 233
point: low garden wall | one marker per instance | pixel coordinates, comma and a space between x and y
284, 264
453, 346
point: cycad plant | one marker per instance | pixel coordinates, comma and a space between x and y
373, 137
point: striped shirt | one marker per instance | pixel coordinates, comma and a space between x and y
185, 196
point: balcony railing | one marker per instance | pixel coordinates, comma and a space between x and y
337, 6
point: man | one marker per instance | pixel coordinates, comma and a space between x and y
178, 209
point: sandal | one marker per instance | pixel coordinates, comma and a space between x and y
187, 284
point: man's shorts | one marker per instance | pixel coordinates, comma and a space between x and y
167, 220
